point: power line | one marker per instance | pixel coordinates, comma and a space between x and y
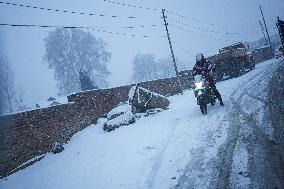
200, 21
104, 31
155, 9
179, 15
74, 12
76, 27
141, 26
170, 12
203, 29
123, 4
202, 35
193, 19
62, 11
131, 5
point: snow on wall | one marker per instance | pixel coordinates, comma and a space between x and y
29, 134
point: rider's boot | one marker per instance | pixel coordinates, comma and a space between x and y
221, 101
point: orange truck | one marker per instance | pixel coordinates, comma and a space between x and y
232, 61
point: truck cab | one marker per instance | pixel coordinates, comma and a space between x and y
232, 61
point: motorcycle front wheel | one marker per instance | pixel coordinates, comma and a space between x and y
203, 108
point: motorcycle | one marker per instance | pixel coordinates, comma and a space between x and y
203, 93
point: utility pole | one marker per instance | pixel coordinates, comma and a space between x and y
269, 41
262, 29
171, 47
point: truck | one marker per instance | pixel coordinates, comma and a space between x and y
232, 61
262, 53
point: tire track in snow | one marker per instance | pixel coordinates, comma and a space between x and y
226, 152
264, 162
159, 159
201, 167
257, 144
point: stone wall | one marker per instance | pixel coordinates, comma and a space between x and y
26, 135
29, 134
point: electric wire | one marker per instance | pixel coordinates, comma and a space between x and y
203, 29
131, 5
76, 12
126, 27
76, 27
202, 35
168, 11
62, 11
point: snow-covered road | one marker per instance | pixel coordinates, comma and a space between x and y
177, 148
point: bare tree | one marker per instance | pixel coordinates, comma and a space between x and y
69, 51
8, 88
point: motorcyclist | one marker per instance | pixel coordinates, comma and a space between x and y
204, 67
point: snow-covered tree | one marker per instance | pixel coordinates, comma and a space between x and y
85, 81
166, 68
145, 68
70, 50
19, 102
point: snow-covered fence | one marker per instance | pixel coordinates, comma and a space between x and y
27, 135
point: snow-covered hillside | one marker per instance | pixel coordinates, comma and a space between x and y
177, 148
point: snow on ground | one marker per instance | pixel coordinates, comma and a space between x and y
174, 148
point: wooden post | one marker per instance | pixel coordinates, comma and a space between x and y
171, 48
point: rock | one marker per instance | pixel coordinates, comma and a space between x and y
126, 118
143, 100
115, 115
153, 111
118, 111
57, 148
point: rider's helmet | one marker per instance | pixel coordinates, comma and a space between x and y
199, 57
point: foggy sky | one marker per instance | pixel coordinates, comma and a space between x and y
24, 47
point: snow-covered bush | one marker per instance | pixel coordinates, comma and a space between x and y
57, 148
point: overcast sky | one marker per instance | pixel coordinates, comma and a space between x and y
225, 21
